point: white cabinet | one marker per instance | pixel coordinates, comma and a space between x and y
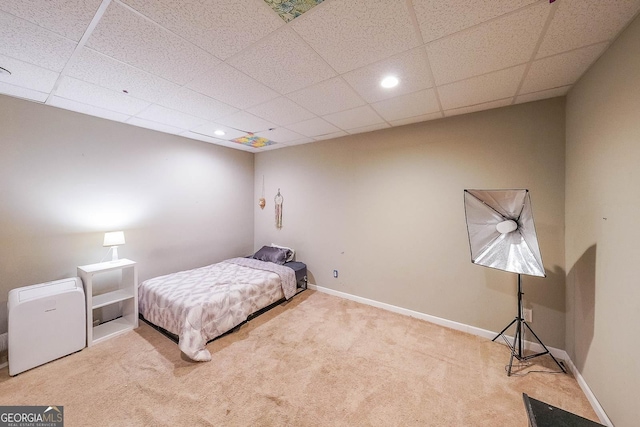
126, 296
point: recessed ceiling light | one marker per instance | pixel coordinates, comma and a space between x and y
219, 132
389, 81
5, 71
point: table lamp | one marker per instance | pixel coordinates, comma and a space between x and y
113, 239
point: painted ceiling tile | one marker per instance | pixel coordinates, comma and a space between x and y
291, 9
253, 141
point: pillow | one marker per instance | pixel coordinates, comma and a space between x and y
271, 254
291, 256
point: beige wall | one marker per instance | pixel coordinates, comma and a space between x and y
602, 206
386, 210
66, 178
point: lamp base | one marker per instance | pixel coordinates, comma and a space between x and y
114, 253
517, 348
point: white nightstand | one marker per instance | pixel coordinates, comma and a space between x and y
126, 294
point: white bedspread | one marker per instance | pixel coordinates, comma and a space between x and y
201, 304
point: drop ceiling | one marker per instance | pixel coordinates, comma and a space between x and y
194, 67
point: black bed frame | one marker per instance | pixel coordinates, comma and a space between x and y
301, 280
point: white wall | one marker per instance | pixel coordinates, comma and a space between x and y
602, 206
386, 210
66, 178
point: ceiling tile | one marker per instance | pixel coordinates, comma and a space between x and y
68, 18
209, 128
241, 147
560, 70
232, 87
221, 27
246, 122
331, 135
327, 97
410, 105
196, 104
27, 75
314, 128
410, 67
283, 62
272, 147
369, 128
355, 118
21, 92
304, 140
29, 43
492, 46
478, 107
481, 89
417, 119
216, 141
91, 110
93, 67
544, 94
154, 125
352, 33
280, 135
438, 18
170, 117
192, 135
578, 23
128, 37
90, 94
281, 111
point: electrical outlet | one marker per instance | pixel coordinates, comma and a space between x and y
335, 274
527, 313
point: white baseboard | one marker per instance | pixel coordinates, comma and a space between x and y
558, 353
599, 410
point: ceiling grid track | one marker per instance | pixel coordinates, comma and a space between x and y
416, 29
85, 37
543, 33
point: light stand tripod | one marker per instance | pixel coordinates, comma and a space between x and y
517, 347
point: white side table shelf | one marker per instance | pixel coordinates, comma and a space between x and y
127, 294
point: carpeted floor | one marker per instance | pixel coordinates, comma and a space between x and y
316, 361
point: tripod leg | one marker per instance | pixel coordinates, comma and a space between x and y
546, 350
510, 364
503, 331
520, 335
517, 338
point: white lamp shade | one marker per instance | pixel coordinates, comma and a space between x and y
114, 238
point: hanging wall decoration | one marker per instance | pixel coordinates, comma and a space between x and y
261, 201
278, 201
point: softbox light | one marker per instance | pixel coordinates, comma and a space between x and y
502, 235
501, 231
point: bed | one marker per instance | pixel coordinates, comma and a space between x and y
201, 304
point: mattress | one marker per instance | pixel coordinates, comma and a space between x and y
200, 304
